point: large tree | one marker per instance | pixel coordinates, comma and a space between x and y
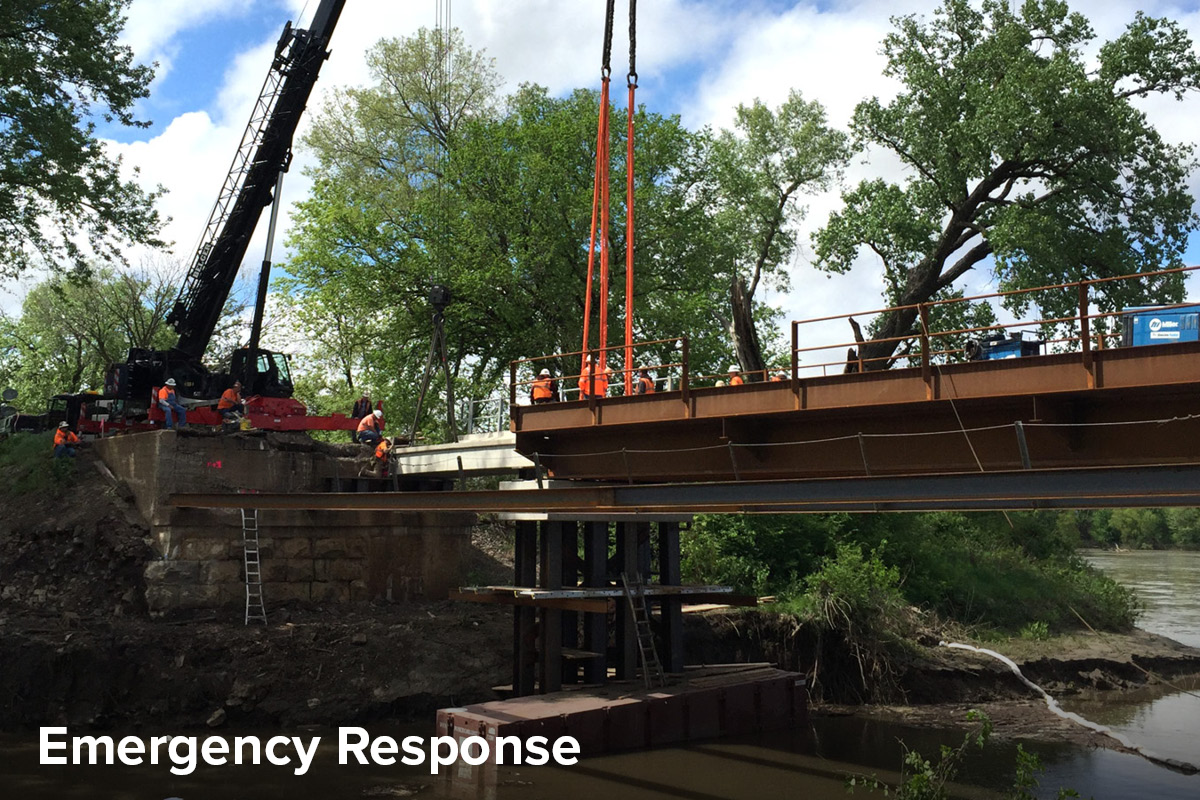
1019, 151
757, 174
60, 193
493, 198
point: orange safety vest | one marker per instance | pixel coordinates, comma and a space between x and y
600, 384
64, 436
776, 379
646, 384
541, 389
165, 394
368, 421
736, 380
381, 449
229, 398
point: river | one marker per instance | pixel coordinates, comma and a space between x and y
799, 764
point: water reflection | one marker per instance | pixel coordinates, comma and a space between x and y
808, 764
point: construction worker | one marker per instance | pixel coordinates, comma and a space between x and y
645, 384
230, 405
362, 407
169, 403
542, 390
65, 441
369, 427
592, 384
383, 452
778, 377
735, 375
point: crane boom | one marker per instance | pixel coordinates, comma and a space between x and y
265, 152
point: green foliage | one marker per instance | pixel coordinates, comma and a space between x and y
1037, 631
1017, 150
27, 467
974, 568
1140, 528
854, 594
925, 779
1184, 524
72, 328
63, 65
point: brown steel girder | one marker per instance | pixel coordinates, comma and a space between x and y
1074, 412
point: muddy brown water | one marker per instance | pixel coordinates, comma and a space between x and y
804, 764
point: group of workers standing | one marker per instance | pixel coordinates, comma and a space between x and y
594, 383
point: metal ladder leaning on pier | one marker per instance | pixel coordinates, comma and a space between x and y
255, 609
635, 593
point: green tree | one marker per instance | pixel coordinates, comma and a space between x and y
1140, 528
1184, 524
757, 174
71, 329
1018, 151
494, 200
62, 68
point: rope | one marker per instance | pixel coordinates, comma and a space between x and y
606, 56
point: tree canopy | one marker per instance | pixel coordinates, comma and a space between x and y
1019, 152
60, 193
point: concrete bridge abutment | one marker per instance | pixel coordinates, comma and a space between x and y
314, 556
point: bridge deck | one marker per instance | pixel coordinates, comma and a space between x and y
1101, 408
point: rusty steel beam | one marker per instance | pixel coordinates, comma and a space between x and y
1048, 412
1162, 485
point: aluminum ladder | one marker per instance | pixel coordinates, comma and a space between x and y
635, 593
255, 609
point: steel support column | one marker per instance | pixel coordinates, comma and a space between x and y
626, 634
670, 574
524, 617
550, 619
595, 574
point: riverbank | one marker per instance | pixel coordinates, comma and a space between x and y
338, 667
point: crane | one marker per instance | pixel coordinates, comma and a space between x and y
253, 183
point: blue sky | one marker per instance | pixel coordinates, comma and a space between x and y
696, 58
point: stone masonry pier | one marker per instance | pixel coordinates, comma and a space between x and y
327, 557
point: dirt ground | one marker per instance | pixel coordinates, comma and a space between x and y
77, 646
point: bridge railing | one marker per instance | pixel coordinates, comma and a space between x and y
567, 368
924, 345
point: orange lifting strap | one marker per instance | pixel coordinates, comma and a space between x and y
600, 205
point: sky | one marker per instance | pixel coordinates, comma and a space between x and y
696, 58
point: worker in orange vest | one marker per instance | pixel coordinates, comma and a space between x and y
589, 383
230, 404
735, 376
645, 384
543, 390
777, 378
383, 452
169, 403
369, 427
65, 441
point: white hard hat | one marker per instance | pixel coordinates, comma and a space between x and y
734, 368
378, 413
63, 425
544, 373
170, 381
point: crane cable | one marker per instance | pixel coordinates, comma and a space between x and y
631, 80
601, 205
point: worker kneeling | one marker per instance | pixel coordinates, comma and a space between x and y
369, 427
383, 454
65, 441
169, 403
